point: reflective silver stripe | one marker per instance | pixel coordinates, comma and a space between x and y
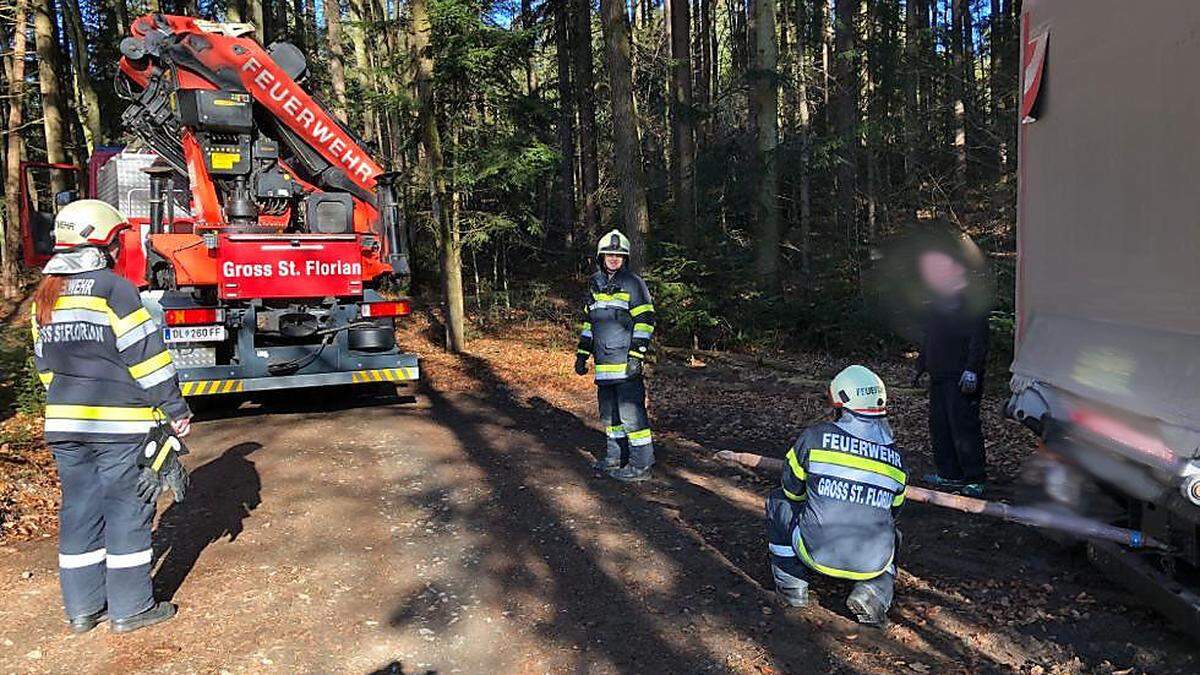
645, 440
143, 330
616, 434
782, 551
642, 334
859, 475
610, 376
122, 561
59, 425
587, 333
602, 304
80, 316
74, 561
161, 375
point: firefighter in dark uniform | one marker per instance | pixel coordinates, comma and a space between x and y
842, 482
954, 354
110, 382
617, 327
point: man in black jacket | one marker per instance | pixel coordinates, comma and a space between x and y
954, 353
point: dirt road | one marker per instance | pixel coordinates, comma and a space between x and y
464, 532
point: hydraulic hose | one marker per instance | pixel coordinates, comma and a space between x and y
289, 367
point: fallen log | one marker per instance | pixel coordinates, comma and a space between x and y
1033, 516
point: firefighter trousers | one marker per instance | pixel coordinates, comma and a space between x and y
104, 530
956, 432
623, 414
790, 573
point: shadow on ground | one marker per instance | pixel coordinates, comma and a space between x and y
660, 632
222, 495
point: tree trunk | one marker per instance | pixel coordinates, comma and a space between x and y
566, 121
970, 98
585, 100
48, 84
804, 114
120, 15
256, 14
912, 78
88, 103
958, 88
846, 115
683, 134
702, 68
359, 15
636, 219
825, 28
449, 237
765, 102
12, 153
337, 68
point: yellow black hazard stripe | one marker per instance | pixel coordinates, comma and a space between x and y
384, 375
203, 387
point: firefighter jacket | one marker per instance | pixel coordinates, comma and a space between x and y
617, 325
847, 489
108, 374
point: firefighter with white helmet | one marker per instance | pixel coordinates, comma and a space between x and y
110, 382
618, 324
833, 514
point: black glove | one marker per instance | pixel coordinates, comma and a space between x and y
160, 466
581, 364
634, 367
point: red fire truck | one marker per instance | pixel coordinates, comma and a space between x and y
263, 232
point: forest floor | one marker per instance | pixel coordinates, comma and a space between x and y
462, 530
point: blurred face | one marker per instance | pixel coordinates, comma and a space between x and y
941, 273
612, 263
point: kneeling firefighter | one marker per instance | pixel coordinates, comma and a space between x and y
111, 387
842, 482
617, 327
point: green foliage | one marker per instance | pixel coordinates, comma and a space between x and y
686, 309
30, 394
21, 388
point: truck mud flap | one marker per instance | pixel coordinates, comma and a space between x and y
234, 386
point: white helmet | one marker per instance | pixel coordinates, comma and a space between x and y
87, 222
860, 391
613, 243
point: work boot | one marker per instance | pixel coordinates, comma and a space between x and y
972, 489
795, 596
156, 614
605, 464
86, 622
936, 481
631, 474
867, 608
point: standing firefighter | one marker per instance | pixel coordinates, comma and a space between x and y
109, 382
842, 482
617, 327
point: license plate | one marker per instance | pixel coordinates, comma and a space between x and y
194, 334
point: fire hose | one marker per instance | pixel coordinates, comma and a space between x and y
1026, 515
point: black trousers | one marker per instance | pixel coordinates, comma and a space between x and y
623, 414
104, 552
956, 431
